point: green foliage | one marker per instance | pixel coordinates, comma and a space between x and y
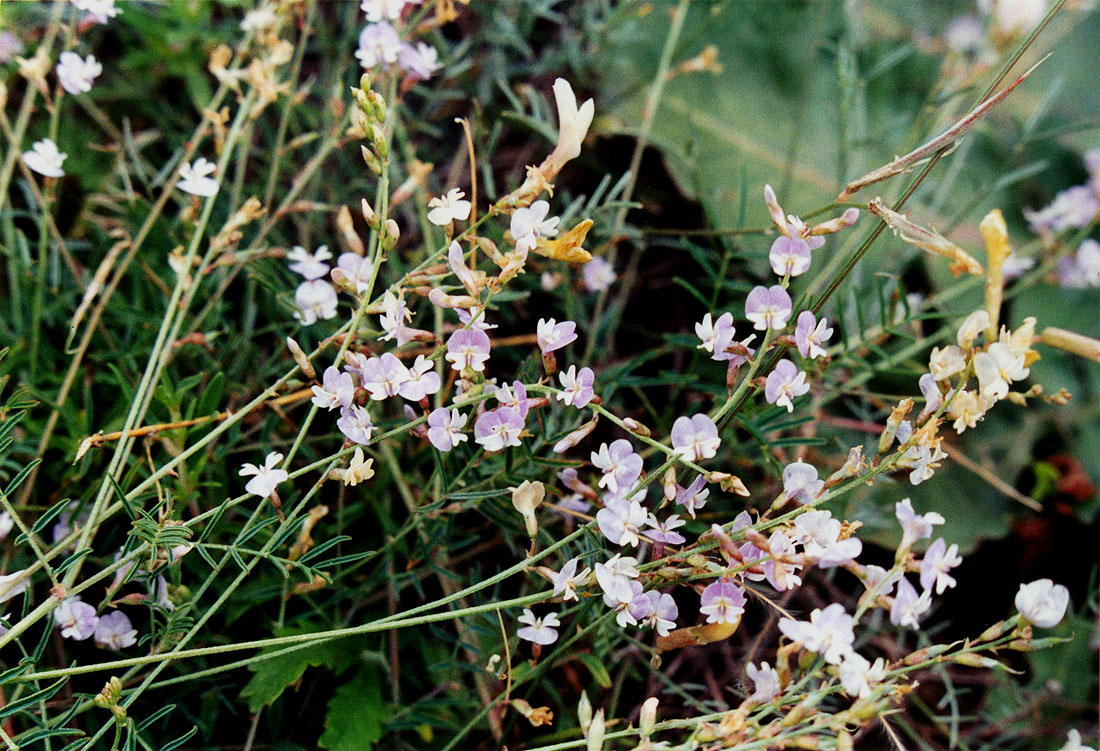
356, 714
274, 675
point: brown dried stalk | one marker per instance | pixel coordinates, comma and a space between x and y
928, 239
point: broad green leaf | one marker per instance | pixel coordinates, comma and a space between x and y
271, 677
356, 714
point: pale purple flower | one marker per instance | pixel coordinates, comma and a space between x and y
655, 609
914, 526
423, 380
309, 265
552, 335
810, 334
316, 300
819, 534
830, 632
355, 423
336, 389
445, 428
1042, 603
722, 602
598, 275
10, 46
468, 349
908, 607
768, 307
449, 207
567, 580
358, 270
1073, 208
541, 631
621, 521
780, 572
694, 496
569, 479
750, 555
800, 482
77, 620
622, 607
791, 255
266, 477
621, 467
195, 178
379, 45
515, 397
716, 336
765, 681
13, 584
1016, 266
880, 580
474, 319
530, 223
498, 428
1082, 269
76, 75
695, 438
115, 631
45, 158
662, 532
933, 397
616, 580
576, 386
785, 383
938, 560
392, 321
420, 62
383, 376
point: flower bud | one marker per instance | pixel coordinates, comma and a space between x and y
669, 482
301, 359
393, 234
894, 421
584, 712
364, 82
119, 712
648, 718
369, 215
371, 160
636, 427
526, 498
729, 483
575, 437
975, 660
594, 736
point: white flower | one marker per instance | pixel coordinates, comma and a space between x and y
830, 632
377, 10
1073, 743
379, 44
975, 323
195, 178
448, 208
309, 265
98, 10
76, 75
541, 631
260, 18
857, 675
13, 584
315, 300
1042, 603
914, 526
946, 362
572, 122
266, 477
765, 682
7, 521
45, 159
998, 368
530, 223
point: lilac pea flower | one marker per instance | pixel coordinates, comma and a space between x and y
765, 682
316, 301
620, 603
357, 269
655, 609
266, 477
379, 45
779, 572
914, 526
829, 632
933, 397
567, 580
569, 479
715, 335
621, 467
115, 631
819, 534
694, 496
1042, 603
768, 307
810, 334
530, 223
552, 335
336, 389
576, 386
790, 256
615, 581
467, 348
541, 631
662, 532
750, 554
800, 482
938, 560
392, 321
423, 380
598, 275
1073, 208
498, 428
77, 620
880, 580
785, 383
312, 266
383, 376
695, 438
722, 602
474, 319
445, 428
908, 607
355, 424
621, 521
514, 397
420, 62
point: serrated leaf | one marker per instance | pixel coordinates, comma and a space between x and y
356, 714
271, 677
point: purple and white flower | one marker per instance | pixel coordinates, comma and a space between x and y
383, 376
810, 334
621, 467
663, 532
938, 560
765, 681
576, 386
568, 579
115, 631
379, 45
467, 348
694, 496
76, 75
195, 178
552, 335
791, 255
908, 606
530, 223
768, 307
498, 428
695, 438
355, 423
829, 632
266, 477
785, 383
423, 380
819, 534
598, 275
316, 300
541, 631
357, 269
310, 265
722, 602
621, 521
914, 526
800, 482
76, 619
445, 428
336, 389
655, 609
1042, 603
